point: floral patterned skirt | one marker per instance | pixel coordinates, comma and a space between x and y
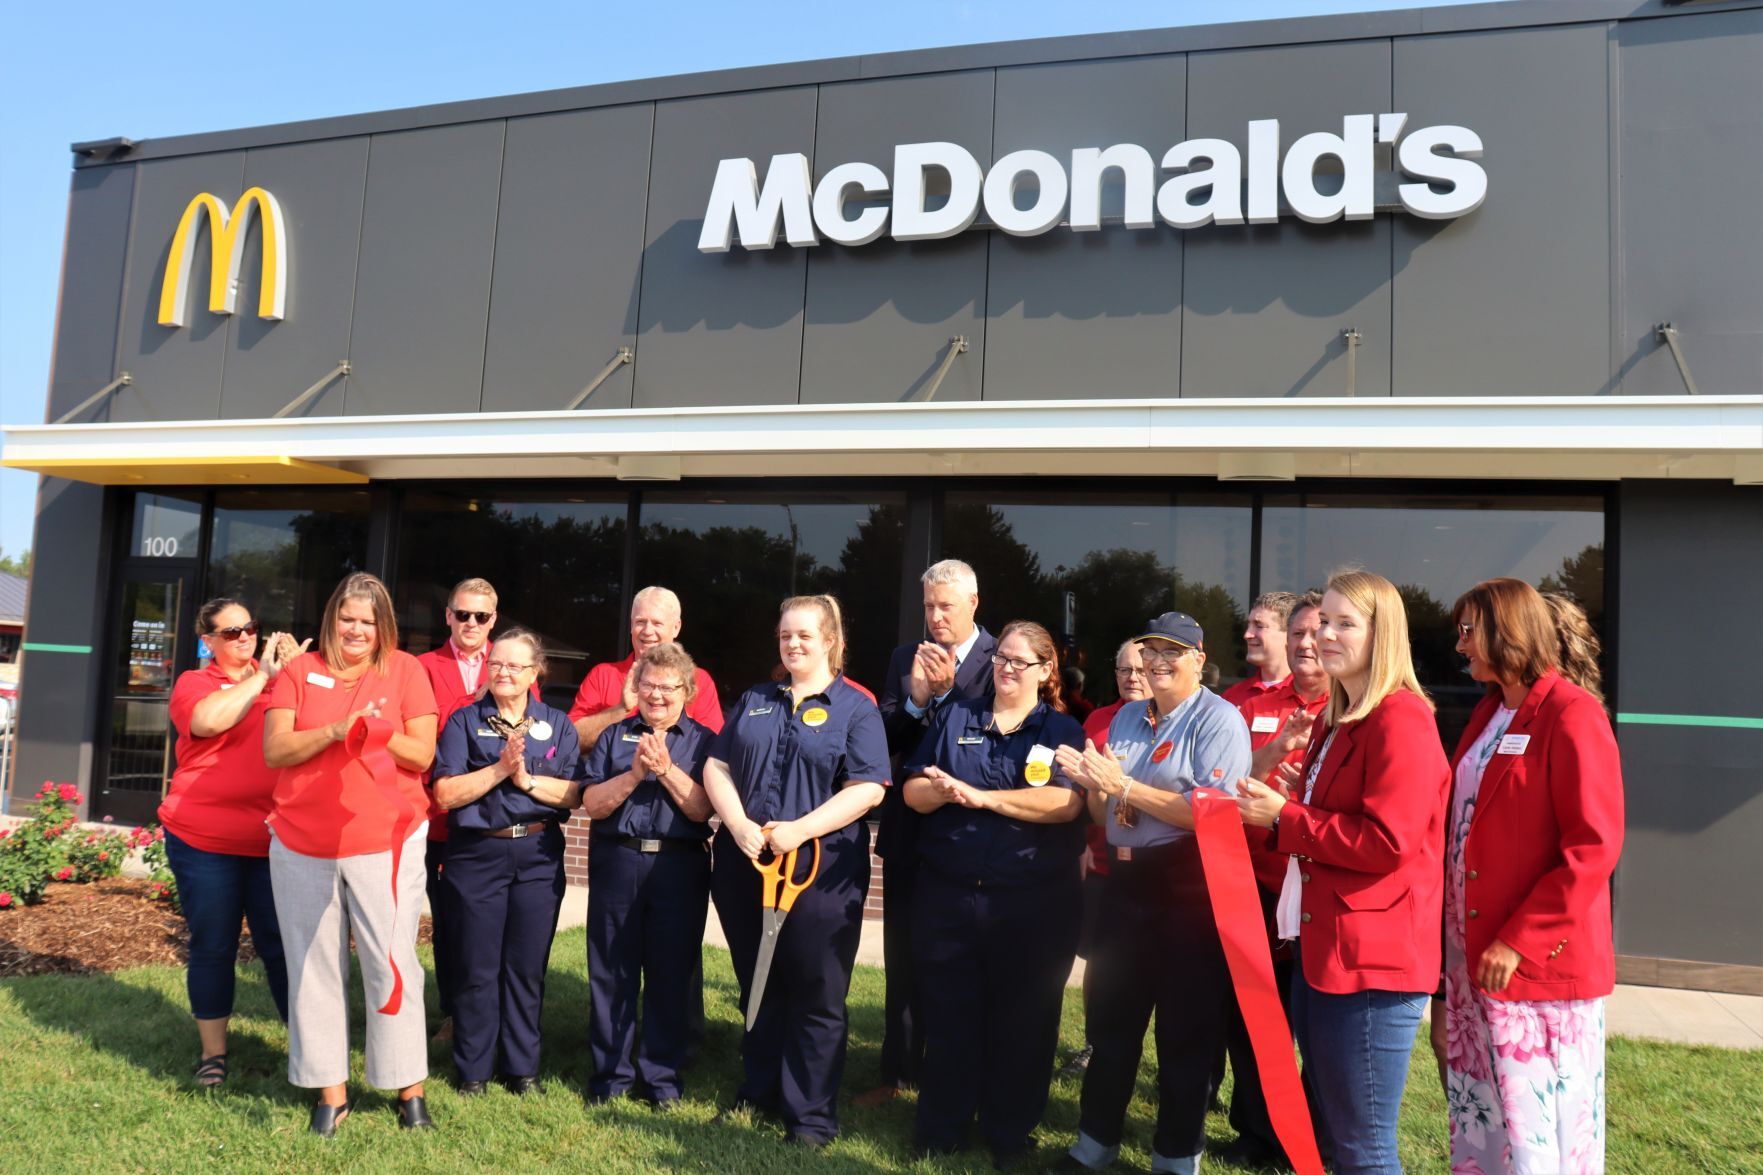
1524, 1082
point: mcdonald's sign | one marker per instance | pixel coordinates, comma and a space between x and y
226, 232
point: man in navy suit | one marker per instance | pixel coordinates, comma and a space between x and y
954, 662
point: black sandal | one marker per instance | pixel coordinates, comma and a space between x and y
212, 1071
326, 1118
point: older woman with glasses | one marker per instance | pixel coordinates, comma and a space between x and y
648, 881
503, 772
213, 813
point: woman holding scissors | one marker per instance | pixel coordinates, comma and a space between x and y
999, 903
799, 764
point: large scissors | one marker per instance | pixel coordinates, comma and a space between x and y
777, 894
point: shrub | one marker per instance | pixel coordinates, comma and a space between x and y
51, 847
162, 884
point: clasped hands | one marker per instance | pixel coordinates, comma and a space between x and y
339, 730
1093, 769
780, 836
933, 674
1259, 804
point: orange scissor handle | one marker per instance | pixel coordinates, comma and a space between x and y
780, 888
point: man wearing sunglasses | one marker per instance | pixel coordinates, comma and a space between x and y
456, 671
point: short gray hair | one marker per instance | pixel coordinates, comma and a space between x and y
659, 595
951, 572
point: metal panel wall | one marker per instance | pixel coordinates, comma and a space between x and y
1069, 314
319, 187
422, 296
718, 328
1690, 103
569, 258
98, 206
1695, 795
1265, 306
177, 370
880, 317
1513, 299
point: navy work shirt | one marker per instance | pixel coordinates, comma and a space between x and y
650, 810
468, 744
786, 763
984, 848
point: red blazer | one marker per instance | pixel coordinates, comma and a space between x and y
1370, 847
1543, 842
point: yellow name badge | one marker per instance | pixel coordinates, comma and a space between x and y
814, 717
1037, 773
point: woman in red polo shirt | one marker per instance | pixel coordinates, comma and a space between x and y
1536, 828
351, 731
1363, 822
215, 805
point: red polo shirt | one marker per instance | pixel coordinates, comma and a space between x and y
220, 794
1251, 687
604, 686
1266, 712
1095, 836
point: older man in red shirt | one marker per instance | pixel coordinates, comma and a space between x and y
609, 692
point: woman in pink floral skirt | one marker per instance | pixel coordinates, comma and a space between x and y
1535, 831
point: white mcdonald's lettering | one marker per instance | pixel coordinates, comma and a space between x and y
227, 247
1199, 182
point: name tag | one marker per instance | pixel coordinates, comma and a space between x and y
632, 738
1264, 724
539, 731
970, 740
1513, 744
758, 712
321, 681
482, 733
228, 684
1039, 768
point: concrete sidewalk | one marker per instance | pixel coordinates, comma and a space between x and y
1657, 1013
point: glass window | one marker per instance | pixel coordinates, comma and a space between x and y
1435, 547
166, 526
283, 551
1094, 567
555, 557
733, 557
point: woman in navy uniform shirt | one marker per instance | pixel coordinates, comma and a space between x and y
503, 771
648, 880
800, 759
999, 903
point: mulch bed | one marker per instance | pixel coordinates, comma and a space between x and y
104, 926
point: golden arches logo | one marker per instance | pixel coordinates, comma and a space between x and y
226, 231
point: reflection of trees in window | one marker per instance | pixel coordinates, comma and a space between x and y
1581, 576
285, 579
1115, 592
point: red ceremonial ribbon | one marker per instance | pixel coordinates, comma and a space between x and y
1236, 907
369, 756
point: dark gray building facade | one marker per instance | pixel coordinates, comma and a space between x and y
1109, 411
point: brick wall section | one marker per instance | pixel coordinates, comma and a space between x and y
575, 862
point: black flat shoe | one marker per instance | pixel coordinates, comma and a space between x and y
813, 1142
521, 1086
325, 1119
473, 1088
413, 1114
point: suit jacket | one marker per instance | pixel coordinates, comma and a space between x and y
897, 839
1370, 847
1543, 841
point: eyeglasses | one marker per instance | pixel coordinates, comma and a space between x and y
1016, 664
235, 631
659, 691
512, 668
463, 616
1465, 629
1128, 671
1161, 660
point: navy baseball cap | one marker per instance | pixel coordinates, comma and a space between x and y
1177, 627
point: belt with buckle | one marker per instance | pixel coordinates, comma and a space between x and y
651, 844
516, 831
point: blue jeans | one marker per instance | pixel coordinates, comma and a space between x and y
217, 890
1356, 1049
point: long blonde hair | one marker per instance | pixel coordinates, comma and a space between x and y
1392, 659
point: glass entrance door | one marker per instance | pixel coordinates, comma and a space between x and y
149, 641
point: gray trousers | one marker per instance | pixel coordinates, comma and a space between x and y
319, 901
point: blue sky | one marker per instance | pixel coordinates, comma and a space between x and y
93, 70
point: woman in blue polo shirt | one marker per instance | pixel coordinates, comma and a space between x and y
800, 759
648, 880
999, 903
503, 771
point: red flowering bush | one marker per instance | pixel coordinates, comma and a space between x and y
162, 885
51, 847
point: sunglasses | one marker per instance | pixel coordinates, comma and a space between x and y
234, 632
462, 616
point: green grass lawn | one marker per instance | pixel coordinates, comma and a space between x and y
94, 1076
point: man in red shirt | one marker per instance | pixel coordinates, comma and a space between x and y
456, 673
1264, 646
609, 692
1280, 721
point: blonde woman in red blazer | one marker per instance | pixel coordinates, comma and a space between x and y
1535, 830
1362, 822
